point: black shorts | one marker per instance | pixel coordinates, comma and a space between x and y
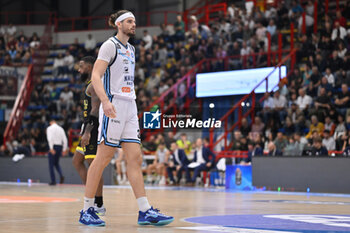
89, 151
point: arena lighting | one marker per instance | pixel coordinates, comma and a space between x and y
211, 105
237, 82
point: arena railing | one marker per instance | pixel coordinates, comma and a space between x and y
8, 17
240, 109
35, 69
172, 102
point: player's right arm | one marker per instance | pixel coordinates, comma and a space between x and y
98, 71
105, 56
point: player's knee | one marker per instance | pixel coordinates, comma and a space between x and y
77, 161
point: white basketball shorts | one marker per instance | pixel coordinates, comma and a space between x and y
124, 128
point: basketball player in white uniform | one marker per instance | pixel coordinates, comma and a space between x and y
118, 119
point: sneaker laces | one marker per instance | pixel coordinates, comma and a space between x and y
157, 211
93, 213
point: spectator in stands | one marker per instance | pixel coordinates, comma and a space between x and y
204, 159
90, 44
193, 28
318, 149
178, 163
245, 127
159, 165
328, 141
322, 103
11, 30
35, 41
341, 128
68, 63
280, 142
288, 128
329, 125
273, 151
315, 126
342, 102
179, 27
329, 76
310, 8
304, 101
280, 104
147, 39
298, 145
258, 126
184, 143
340, 19
66, 99
58, 66
338, 32
271, 28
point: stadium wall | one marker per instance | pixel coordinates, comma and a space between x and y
326, 175
37, 169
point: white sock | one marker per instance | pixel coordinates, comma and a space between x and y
143, 204
88, 202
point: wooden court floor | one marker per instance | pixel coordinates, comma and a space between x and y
42, 208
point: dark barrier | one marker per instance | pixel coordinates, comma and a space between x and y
328, 175
37, 169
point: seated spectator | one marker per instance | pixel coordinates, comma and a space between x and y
315, 126
341, 128
318, 149
90, 44
322, 104
58, 66
147, 39
346, 151
340, 19
338, 32
35, 41
299, 144
288, 128
273, 151
280, 104
304, 101
184, 144
328, 141
66, 99
201, 161
329, 125
178, 163
159, 165
253, 150
258, 126
169, 138
68, 63
342, 102
245, 127
280, 142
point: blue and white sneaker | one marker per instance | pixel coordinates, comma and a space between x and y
100, 211
154, 217
90, 218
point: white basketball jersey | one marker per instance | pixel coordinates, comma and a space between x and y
118, 79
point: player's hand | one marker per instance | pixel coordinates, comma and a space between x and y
109, 109
52, 151
65, 152
85, 139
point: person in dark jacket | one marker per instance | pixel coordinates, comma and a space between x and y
178, 162
204, 159
318, 149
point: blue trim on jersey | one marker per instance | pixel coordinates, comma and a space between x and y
130, 140
126, 47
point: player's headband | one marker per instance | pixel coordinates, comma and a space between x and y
124, 16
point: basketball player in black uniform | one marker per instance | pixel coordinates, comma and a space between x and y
86, 150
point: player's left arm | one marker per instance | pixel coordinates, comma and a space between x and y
93, 117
